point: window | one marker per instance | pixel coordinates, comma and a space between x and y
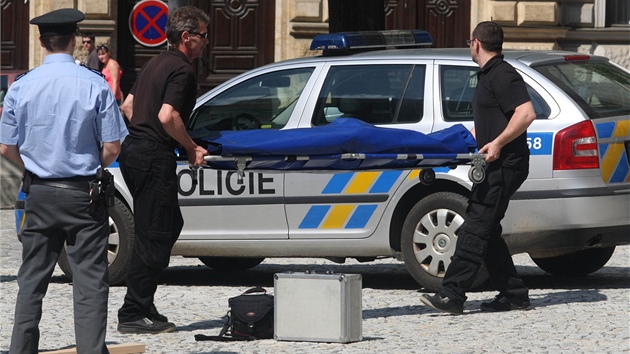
458, 85
412, 106
608, 13
265, 101
457, 88
617, 12
372, 93
599, 88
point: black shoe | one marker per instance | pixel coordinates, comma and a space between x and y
443, 304
503, 302
145, 325
154, 315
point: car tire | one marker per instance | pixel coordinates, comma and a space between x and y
119, 248
231, 264
429, 236
577, 263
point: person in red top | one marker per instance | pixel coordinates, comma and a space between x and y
158, 108
111, 71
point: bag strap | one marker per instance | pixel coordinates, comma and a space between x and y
223, 336
203, 337
255, 290
226, 326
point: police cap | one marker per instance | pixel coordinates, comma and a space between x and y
58, 22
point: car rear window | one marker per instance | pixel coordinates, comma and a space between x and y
601, 89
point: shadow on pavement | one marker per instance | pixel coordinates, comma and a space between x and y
393, 277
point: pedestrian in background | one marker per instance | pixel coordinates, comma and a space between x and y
502, 112
111, 71
61, 123
89, 45
158, 108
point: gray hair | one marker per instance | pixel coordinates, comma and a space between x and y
186, 18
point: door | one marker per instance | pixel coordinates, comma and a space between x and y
14, 33
448, 21
242, 38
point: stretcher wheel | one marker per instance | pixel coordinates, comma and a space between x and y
476, 174
427, 176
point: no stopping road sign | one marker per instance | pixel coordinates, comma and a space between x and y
147, 22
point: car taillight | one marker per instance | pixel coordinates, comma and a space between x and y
575, 147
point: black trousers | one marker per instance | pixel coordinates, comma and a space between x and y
479, 239
149, 170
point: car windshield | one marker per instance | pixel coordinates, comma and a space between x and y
601, 89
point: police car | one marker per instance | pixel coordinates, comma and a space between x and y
568, 216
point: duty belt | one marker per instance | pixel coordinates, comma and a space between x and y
75, 183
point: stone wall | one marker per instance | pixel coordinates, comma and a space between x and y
565, 25
297, 22
100, 19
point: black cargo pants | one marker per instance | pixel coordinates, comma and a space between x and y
479, 239
149, 170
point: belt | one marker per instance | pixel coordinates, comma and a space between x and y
79, 185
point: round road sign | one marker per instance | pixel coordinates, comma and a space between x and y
147, 22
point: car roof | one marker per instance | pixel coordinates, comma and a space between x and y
526, 57
518, 58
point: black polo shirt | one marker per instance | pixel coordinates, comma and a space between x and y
166, 78
500, 89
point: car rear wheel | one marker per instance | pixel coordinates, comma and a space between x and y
429, 237
576, 264
119, 245
231, 264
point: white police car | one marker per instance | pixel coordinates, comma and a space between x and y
569, 215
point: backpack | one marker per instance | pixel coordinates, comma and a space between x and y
250, 317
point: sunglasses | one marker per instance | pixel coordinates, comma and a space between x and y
87, 42
201, 35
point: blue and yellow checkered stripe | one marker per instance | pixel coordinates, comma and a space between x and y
614, 162
349, 215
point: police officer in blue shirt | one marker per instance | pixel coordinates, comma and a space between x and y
61, 122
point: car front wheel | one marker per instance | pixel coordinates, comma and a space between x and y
119, 245
429, 237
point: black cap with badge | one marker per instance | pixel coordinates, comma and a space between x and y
58, 22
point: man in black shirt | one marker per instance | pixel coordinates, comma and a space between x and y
502, 111
158, 107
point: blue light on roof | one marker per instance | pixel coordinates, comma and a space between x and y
371, 39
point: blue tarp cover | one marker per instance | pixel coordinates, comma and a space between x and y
269, 149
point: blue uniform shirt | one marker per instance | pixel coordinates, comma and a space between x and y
58, 114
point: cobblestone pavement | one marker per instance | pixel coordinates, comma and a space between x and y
570, 315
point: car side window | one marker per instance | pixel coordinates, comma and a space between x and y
458, 85
265, 101
541, 107
372, 93
412, 106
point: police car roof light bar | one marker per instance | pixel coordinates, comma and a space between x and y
371, 39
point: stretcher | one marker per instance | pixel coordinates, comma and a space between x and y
346, 144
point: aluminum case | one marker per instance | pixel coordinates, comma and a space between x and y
318, 307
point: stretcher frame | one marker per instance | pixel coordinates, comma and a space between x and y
426, 162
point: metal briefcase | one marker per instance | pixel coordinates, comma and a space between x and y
317, 307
